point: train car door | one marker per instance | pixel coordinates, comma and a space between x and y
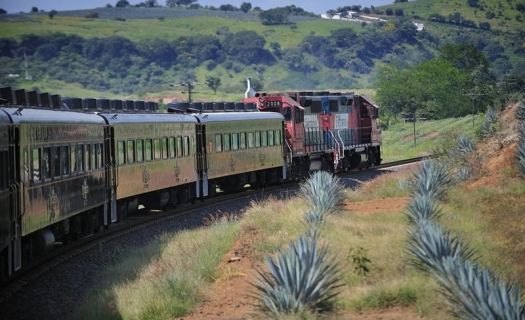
111, 173
16, 202
201, 160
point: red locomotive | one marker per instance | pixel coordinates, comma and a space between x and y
331, 131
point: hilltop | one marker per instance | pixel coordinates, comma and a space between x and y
142, 51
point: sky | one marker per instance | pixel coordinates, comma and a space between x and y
14, 6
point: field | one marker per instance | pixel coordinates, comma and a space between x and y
431, 135
506, 18
166, 29
367, 237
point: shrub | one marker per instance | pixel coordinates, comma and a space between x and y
299, 278
323, 191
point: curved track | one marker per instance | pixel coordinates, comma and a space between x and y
58, 268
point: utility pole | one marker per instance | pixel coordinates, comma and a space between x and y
472, 96
189, 87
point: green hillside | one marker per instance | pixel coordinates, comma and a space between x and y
501, 15
167, 29
142, 52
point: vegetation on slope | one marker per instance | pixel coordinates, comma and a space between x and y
310, 53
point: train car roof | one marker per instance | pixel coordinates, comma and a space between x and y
119, 118
33, 115
237, 116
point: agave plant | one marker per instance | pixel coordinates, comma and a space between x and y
315, 218
301, 277
465, 146
475, 293
488, 127
521, 156
422, 207
520, 111
462, 174
431, 179
323, 191
429, 245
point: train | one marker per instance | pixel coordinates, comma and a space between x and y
71, 167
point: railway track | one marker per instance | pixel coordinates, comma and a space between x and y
135, 223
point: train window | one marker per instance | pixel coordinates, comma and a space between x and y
257, 139
316, 106
98, 156
156, 148
93, 156
64, 160
172, 147
140, 150
186, 146
56, 161
278, 137
101, 155
235, 141
179, 147
80, 158
242, 140
165, 148
87, 152
334, 105
148, 152
218, 143
251, 142
130, 152
121, 147
299, 115
226, 141
271, 140
35, 167
264, 138
46, 163
73, 160
96, 162
287, 114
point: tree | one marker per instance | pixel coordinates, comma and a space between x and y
150, 3
122, 3
2, 11
399, 12
178, 3
52, 13
274, 16
389, 12
246, 6
34, 10
227, 7
213, 83
473, 3
484, 25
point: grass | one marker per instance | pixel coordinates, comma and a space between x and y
486, 217
398, 140
157, 283
163, 280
